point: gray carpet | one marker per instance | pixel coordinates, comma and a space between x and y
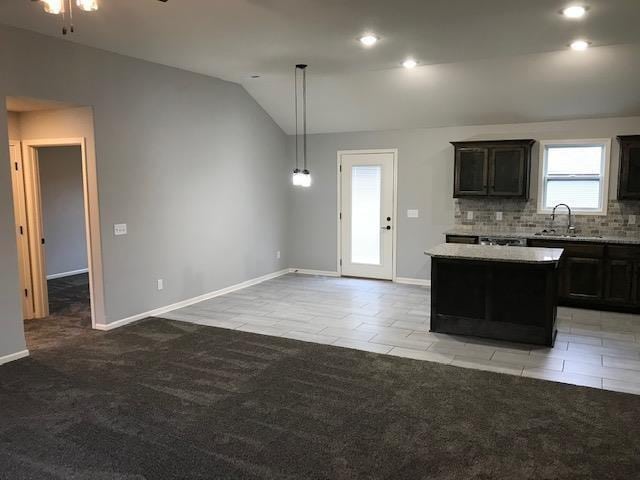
69, 313
163, 399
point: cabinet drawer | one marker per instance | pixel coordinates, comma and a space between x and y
583, 250
624, 252
462, 239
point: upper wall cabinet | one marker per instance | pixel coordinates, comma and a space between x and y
629, 177
498, 168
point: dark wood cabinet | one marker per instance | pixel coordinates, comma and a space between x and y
462, 239
619, 281
507, 171
471, 169
597, 275
629, 172
583, 278
492, 168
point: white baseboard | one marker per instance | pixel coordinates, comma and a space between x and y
190, 301
14, 356
413, 281
305, 271
67, 274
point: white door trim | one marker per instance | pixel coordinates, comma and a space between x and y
92, 222
21, 221
394, 221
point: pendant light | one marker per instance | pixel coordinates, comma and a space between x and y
87, 5
301, 178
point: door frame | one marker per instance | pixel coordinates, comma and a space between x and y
34, 209
394, 221
20, 212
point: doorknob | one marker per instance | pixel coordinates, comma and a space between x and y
385, 228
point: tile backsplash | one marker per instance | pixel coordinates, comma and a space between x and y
521, 215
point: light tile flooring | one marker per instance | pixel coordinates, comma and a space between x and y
594, 349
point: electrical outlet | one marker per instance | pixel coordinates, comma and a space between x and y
278, 254
499, 216
120, 229
160, 284
469, 215
632, 219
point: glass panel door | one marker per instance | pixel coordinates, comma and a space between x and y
366, 214
366, 184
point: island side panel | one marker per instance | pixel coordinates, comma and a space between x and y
504, 301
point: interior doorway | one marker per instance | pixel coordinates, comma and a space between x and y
51, 206
367, 182
55, 194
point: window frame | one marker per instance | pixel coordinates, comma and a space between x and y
603, 177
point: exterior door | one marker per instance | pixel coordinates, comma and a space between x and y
367, 214
22, 239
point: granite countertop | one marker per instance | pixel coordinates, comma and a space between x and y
530, 235
493, 253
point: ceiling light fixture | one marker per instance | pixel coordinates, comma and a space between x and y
62, 7
87, 5
301, 178
54, 7
409, 63
575, 11
579, 45
368, 40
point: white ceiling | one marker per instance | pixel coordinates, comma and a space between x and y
482, 61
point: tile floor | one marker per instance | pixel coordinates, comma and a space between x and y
594, 349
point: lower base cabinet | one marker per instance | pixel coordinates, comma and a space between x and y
594, 275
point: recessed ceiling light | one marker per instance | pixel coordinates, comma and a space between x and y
579, 45
409, 63
575, 11
368, 40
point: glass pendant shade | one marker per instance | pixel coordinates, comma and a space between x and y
54, 7
305, 179
87, 5
297, 178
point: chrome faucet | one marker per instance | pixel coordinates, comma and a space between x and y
571, 228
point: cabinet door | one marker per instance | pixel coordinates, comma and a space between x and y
619, 280
507, 171
583, 278
471, 170
629, 171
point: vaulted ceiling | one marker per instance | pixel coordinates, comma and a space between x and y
489, 61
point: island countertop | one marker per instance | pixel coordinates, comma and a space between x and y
494, 253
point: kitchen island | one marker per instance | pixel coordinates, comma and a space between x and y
503, 293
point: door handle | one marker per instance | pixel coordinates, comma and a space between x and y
385, 228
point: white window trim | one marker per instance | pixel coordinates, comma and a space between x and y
606, 142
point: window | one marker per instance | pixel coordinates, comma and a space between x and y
574, 172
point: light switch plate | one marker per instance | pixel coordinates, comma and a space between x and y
160, 284
499, 216
120, 229
413, 213
632, 219
469, 215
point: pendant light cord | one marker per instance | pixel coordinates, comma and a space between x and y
295, 83
71, 28
304, 115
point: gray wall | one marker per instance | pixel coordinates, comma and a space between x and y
62, 195
425, 182
194, 166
